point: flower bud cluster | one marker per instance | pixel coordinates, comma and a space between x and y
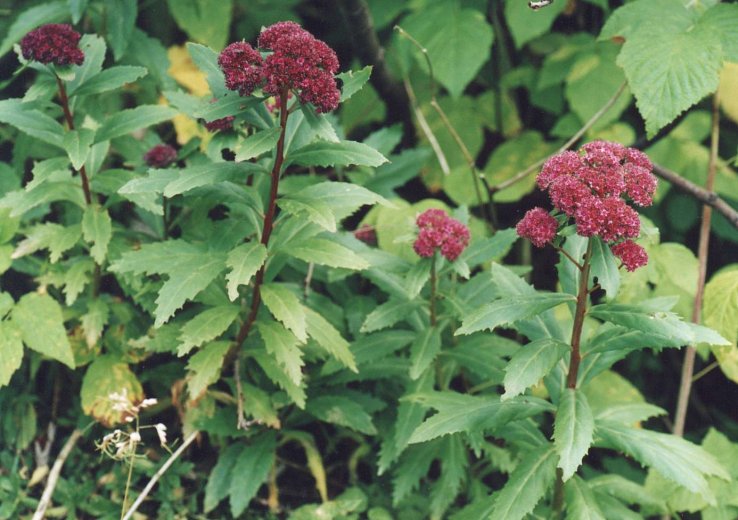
296, 60
53, 43
593, 187
439, 231
160, 156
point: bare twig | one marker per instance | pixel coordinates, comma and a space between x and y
54, 475
425, 127
533, 167
159, 474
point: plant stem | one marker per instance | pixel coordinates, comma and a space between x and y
558, 498
433, 281
685, 385
70, 123
581, 310
128, 483
54, 475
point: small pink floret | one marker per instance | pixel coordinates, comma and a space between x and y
631, 254
439, 231
537, 226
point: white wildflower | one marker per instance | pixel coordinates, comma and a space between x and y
135, 437
161, 431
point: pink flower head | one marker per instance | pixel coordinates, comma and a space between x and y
537, 226
439, 231
640, 184
603, 153
160, 156
563, 164
631, 254
618, 220
242, 67
224, 123
567, 193
53, 43
270, 36
637, 157
589, 216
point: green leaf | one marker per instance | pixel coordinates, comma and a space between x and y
32, 122
126, 121
341, 410
329, 338
285, 307
322, 251
605, 268
205, 367
417, 276
316, 211
77, 144
531, 363
54, 237
95, 49
243, 261
581, 503
219, 480
723, 19
277, 374
527, 484
108, 375
673, 457
636, 17
506, 311
76, 278
466, 413
206, 326
48, 12
525, 25
342, 197
625, 490
424, 350
110, 79
628, 413
353, 81
573, 430
459, 50
670, 69
95, 320
665, 325
387, 314
283, 347
251, 470
11, 351
343, 153
257, 144
720, 312
487, 249
39, 319
120, 21
97, 229
319, 124
206, 21
206, 60
202, 175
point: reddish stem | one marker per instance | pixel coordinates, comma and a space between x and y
433, 281
70, 123
581, 310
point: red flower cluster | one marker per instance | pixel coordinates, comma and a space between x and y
631, 254
439, 231
53, 43
298, 61
224, 123
160, 156
367, 234
591, 187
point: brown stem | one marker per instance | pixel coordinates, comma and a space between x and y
685, 385
579, 313
558, 498
70, 123
433, 281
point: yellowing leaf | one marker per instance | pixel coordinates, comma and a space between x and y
728, 88
105, 376
184, 71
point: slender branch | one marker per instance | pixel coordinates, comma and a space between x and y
571, 258
433, 281
425, 127
533, 167
581, 309
54, 475
706, 196
685, 385
702, 373
70, 123
159, 474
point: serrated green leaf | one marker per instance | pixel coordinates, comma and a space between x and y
527, 484
153, 183
723, 18
259, 406
48, 12
343, 153
342, 197
206, 60
126, 121
487, 249
604, 267
329, 338
466, 413
459, 50
77, 276
629, 413
95, 320
94, 49
506, 311
97, 228
108, 375
243, 261
424, 350
219, 480
414, 465
110, 79
316, 211
675, 458
201, 175
257, 144
120, 19
531, 363
322, 251
54, 237
39, 319
417, 276
581, 503
353, 81
77, 144
625, 490
573, 430
205, 367
285, 307
157, 258
341, 410
278, 376
454, 466
32, 122
11, 351
205, 21
525, 25
386, 315
629, 19
206, 326
251, 470
720, 312
283, 346
319, 124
